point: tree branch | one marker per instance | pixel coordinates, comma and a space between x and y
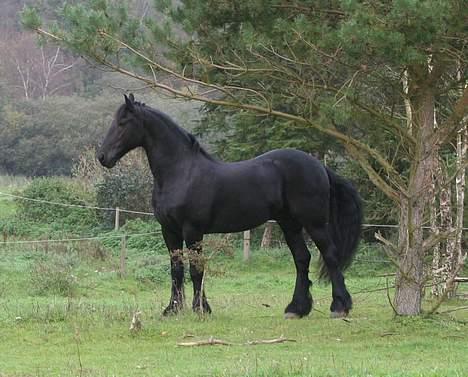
454, 123
359, 147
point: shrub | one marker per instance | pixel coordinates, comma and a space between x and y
128, 185
14, 226
58, 190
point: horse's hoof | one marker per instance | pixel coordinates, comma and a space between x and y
171, 310
336, 315
289, 315
205, 309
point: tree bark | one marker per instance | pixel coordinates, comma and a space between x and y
435, 230
409, 282
460, 182
444, 252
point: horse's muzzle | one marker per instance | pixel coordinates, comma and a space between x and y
107, 163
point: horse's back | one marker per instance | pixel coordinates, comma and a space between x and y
298, 168
268, 186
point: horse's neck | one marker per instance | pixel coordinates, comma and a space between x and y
169, 155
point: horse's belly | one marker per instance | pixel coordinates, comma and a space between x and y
236, 218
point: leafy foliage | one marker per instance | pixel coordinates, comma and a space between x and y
337, 66
149, 262
128, 185
57, 190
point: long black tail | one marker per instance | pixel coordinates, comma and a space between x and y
345, 221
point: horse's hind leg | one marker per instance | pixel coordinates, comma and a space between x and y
342, 303
301, 303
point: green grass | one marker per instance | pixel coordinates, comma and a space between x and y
88, 333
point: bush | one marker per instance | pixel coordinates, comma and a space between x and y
14, 226
57, 190
128, 188
128, 185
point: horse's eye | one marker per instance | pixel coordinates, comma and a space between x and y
124, 121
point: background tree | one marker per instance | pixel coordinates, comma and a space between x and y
53, 104
46, 137
36, 71
40, 138
371, 76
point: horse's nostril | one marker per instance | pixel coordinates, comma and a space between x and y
101, 157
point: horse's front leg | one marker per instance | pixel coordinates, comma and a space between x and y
174, 243
193, 242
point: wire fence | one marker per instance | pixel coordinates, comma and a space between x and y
13, 196
63, 240
117, 210
123, 237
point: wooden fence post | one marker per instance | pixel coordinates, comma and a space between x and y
246, 245
267, 235
123, 256
117, 218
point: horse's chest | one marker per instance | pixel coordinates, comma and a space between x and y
172, 208
165, 205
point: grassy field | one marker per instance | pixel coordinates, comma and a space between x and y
87, 333
64, 311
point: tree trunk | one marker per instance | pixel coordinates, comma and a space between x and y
409, 282
462, 147
444, 253
435, 231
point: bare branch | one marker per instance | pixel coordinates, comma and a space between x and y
281, 339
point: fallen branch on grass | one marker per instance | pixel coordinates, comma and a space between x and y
214, 342
281, 339
210, 342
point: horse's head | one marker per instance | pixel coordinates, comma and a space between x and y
125, 133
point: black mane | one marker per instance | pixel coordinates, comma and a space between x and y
194, 144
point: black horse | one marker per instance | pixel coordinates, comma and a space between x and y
195, 194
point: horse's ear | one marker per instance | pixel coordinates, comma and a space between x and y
129, 102
131, 96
